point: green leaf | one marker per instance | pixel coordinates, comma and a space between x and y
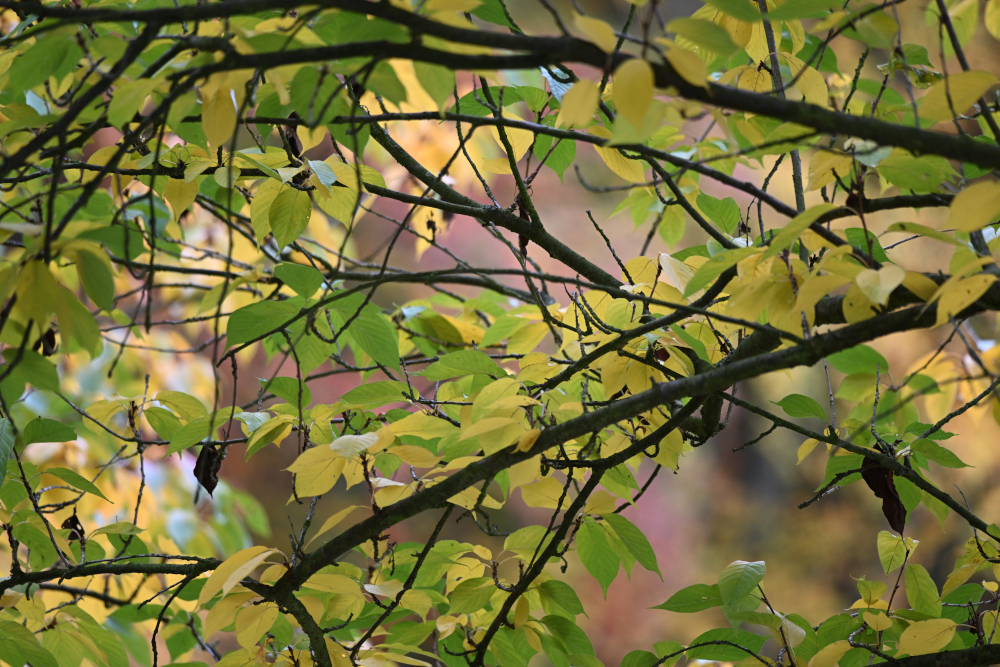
76, 480
596, 555
34, 368
723, 212
288, 389
838, 464
191, 434
724, 652
858, 359
76, 324
738, 579
52, 56
463, 362
795, 226
376, 394
559, 599
47, 430
571, 637
639, 658
98, 282
6, 441
20, 646
693, 598
938, 454
493, 12
892, 550
738, 9
921, 592
305, 280
634, 540
803, 9
256, 320
471, 595
164, 422
715, 267
289, 215
118, 528
797, 405
377, 337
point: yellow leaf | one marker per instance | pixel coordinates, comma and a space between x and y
232, 571
180, 195
522, 610
418, 457
878, 285
856, 306
962, 294
527, 440
992, 17
600, 502
795, 227
469, 496
975, 207
810, 82
633, 90
333, 521
925, 637
630, 170
579, 104
520, 140
826, 166
830, 654
485, 426
806, 448
316, 471
877, 621
688, 65
955, 95
597, 31
416, 601
310, 138
218, 117
334, 583
423, 426
224, 611
254, 621
544, 493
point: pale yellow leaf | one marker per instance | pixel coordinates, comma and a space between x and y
633, 90
416, 456
975, 207
520, 140
688, 66
877, 621
522, 610
955, 95
333, 522
527, 440
316, 471
423, 426
631, 170
806, 448
218, 117
925, 637
579, 104
253, 621
231, 571
829, 655
597, 31
544, 493
878, 285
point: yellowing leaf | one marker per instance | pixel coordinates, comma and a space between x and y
878, 285
579, 104
520, 140
810, 82
423, 426
830, 654
954, 96
180, 194
877, 621
975, 207
316, 471
232, 571
688, 65
826, 166
545, 493
418, 457
633, 90
527, 439
253, 622
795, 227
333, 522
224, 611
957, 297
631, 170
925, 637
806, 448
218, 117
597, 31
